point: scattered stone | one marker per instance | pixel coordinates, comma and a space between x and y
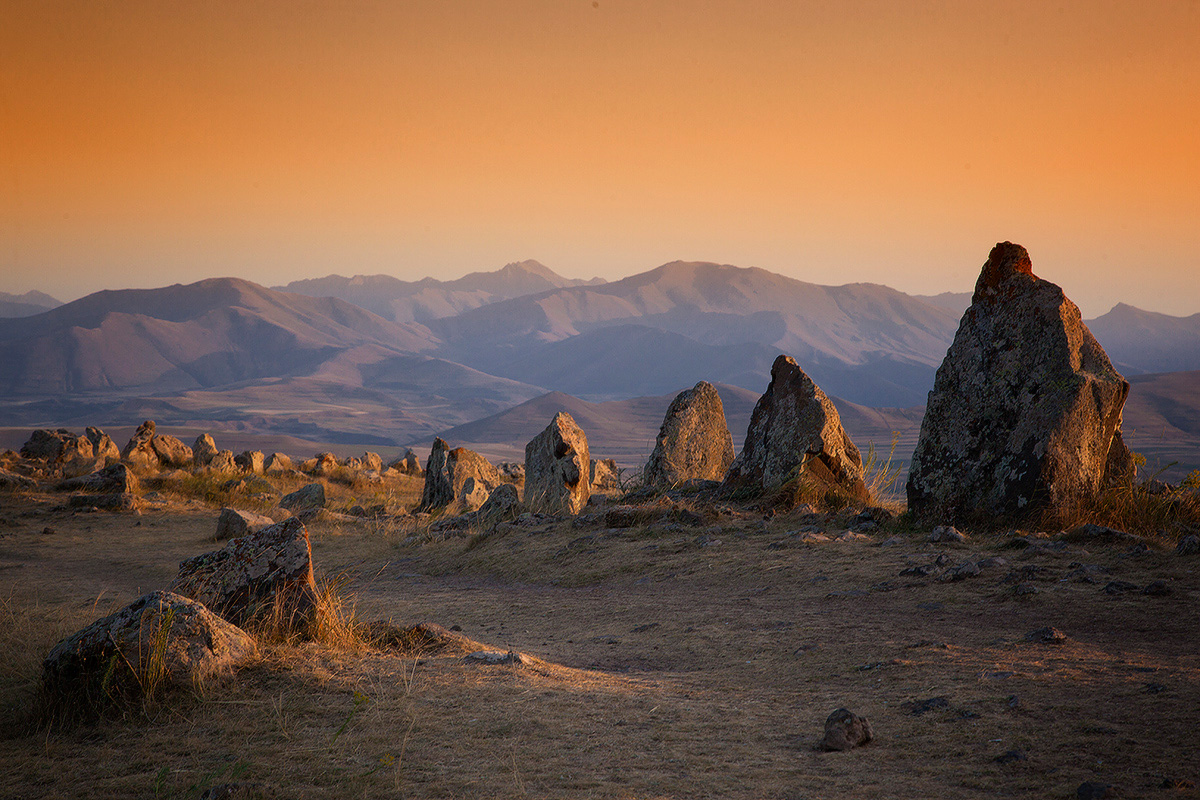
1025, 413
56, 446
1084, 573
458, 480
556, 468
117, 479
845, 730
171, 452
966, 569
1157, 589
254, 576
102, 444
795, 432
502, 505
308, 497
250, 461
277, 463
116, 501
693, 442
1099, 534
222, 463
189, 642
233, 523
991, 563
408, 464
918, 571
204, 449
1120, 587
919, 707
321, 464
493, 658
372, 461
13, 480
891, 541
947, 533
1047, 635
1188, 545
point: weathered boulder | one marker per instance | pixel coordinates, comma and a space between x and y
795, 432
116, 479
251, 461
267, 575
458, 480
408, 464
222, 462
234, 522
502, 504
372, 461
277, 462
138, 452
13, 480
307, 497
558, 468
56, 446
171, 452
110, 501
204, 450
320, 464
604, 475
693, 442
845, 730
160, 638
102, 444
1025, 412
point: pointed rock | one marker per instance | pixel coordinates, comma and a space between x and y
1025, 412
694, 441
458, 480
558, 468
204, 449
795, 431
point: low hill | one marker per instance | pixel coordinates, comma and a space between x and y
27, 304
1140, 341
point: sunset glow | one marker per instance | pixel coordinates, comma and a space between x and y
146, 143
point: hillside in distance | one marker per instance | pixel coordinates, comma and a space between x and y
429, 299
868, 342
27, 304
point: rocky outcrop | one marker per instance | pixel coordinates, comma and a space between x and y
102, 445
694, 441
320, 464
458, 480
250, 461
233, 523
408, 464
1025, 412
604, 477
204, 449
161, 636
277, 462
57, 446
117, 479
138, 452
796, 433
266, 575
372, 461
222, 462
308, 497
558, 468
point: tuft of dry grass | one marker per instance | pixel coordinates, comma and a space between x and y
1164, 514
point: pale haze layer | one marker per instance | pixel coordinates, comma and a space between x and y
149, 143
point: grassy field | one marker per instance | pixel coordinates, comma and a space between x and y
660, 661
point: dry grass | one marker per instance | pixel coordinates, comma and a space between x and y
667, 661
1164, 515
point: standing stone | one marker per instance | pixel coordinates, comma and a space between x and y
255, 576
277, 462
795, 432
1025, 412
102, 444
233, 523
204, 449
139, 452
410, 464
171, 452
693, 442
459, 480
250, 461
558, 468
161, 630
222, 462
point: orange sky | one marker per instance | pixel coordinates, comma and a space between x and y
147, 143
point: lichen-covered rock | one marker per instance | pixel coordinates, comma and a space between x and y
502, 504
694, 441
57, 446
372, 461
222, 462
1025, 412
204, 450
116, 479
320, 464
233, 522
458, 480
171, 452
250, 461
558, 468
309, 496
254, 577
795, 432
160, 636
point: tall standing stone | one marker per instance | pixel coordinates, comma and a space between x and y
204, 450
693, 442
1025, 412
458, 480
795, 432
558, 468
139, 451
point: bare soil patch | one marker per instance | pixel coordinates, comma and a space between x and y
663, 661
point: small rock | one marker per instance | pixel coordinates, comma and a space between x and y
946, 533
965, 570
233, 523
1047, 635
493, 657
919, 571
845, 730
1157, 589
306, 497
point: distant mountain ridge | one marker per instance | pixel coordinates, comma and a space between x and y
430, 299
27, 304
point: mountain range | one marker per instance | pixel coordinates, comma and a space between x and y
448, 354
27, 304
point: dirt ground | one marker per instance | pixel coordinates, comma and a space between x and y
664, 661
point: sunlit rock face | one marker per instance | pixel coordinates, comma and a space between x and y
694, 441
1025, 412
558, 468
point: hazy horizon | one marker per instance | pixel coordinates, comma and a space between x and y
146, 145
